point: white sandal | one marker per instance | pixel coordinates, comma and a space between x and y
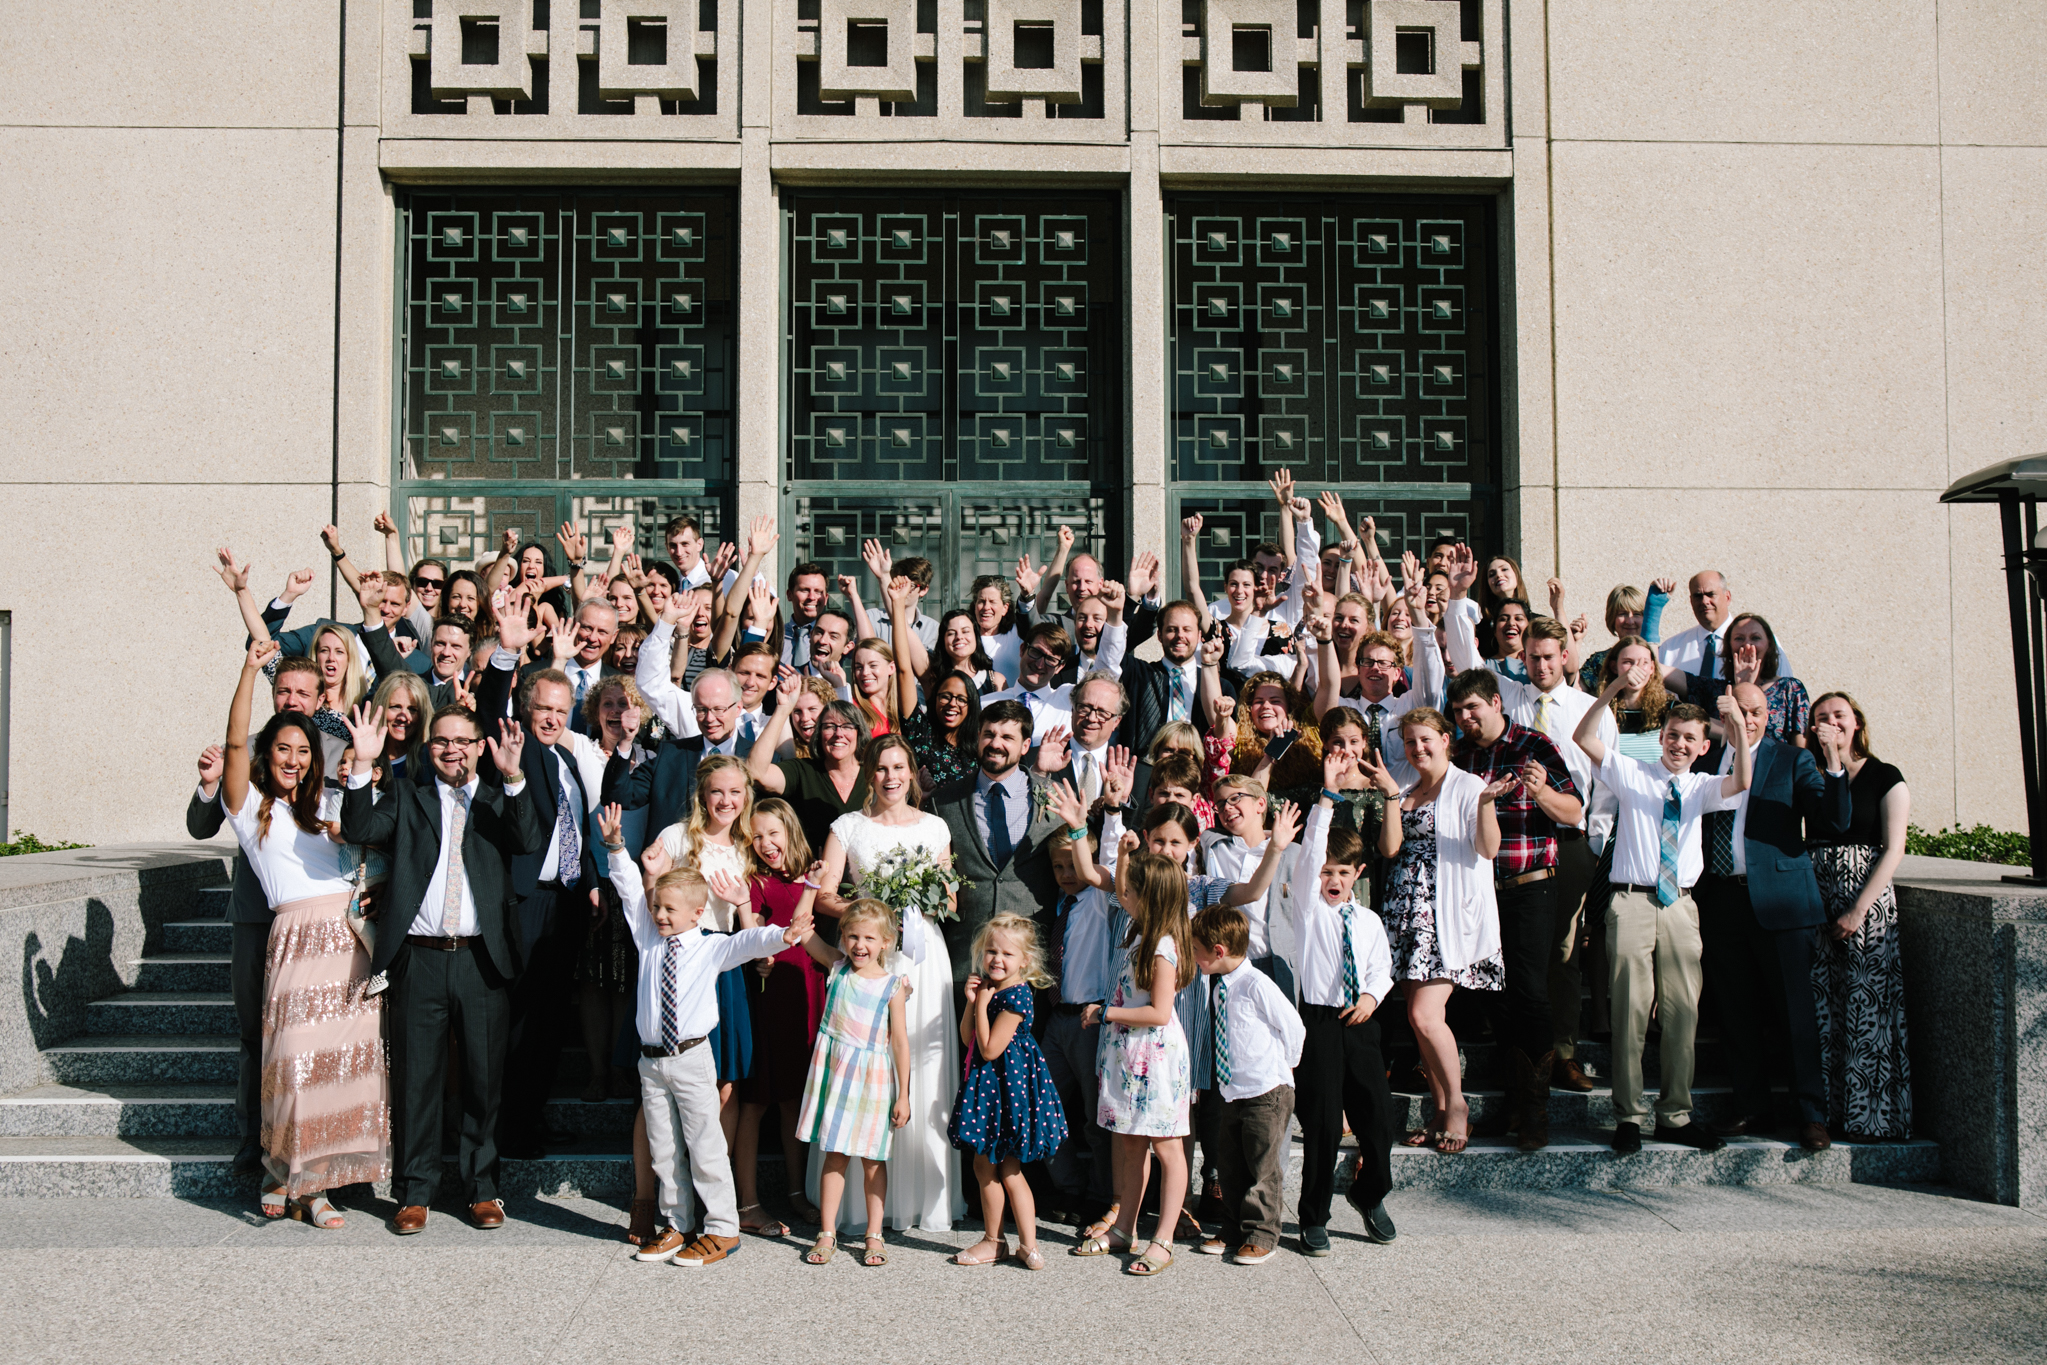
318, 1212
274, 1203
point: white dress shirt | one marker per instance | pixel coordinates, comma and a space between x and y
1318, 927
1087, 971
1004, 652
1109, 651
1263, 1030
702, 957
1225, 855
583, 677
1247, 642
1048, 705
550, 867
1740, 836
1640, 789
669, 703
1191, 671
1089, 767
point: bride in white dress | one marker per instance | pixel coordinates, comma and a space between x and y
924, 1187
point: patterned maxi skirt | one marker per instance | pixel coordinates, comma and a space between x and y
326, 1096
1859, 988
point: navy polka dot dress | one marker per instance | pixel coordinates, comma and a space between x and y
1007, 1105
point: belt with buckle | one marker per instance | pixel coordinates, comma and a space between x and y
447, 943
649, 1050
1646, 890
1539, 874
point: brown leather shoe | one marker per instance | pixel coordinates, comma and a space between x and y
1744, 1125
488, 1214
1567, 1074
706, 1250
409, 1219
663, 1247
1813, 1137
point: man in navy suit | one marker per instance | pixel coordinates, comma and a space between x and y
1759, 912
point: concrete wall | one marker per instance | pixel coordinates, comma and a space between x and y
1778, 274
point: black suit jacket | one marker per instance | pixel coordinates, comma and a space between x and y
666, 782
493, 694
246, 903
406, 824
1786, 791
1025, 886
1149, 683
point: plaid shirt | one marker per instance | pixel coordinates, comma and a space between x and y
1528, 838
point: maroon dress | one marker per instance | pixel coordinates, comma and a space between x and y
787, 1008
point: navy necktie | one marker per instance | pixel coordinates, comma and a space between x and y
1000, 846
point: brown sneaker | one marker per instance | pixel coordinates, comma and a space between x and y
1252, 1254
707, 1250
662, 1248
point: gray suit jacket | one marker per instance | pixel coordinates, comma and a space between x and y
1024, 887
246, 903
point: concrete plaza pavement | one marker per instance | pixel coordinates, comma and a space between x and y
1784, 1273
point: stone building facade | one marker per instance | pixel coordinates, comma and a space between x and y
1618, 287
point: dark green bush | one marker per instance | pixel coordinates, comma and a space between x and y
1979, 845
28, 843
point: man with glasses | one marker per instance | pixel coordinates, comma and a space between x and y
1047, 648
447, 944
1098, 704
668, 781
1379, 667
1702, 650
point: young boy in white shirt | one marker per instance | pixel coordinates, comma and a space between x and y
1257, 1045
1652, 924
1343, 968
678, 1008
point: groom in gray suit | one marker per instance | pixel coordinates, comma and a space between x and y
1001, 834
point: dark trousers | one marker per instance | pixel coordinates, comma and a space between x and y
1760, 981
552, 923
249, 950
1341, 1075
435, 996
1252, 1153
1528, 939
1080, 1169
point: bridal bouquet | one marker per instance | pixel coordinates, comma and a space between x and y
906, 877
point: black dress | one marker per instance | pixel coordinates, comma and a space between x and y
1859, 982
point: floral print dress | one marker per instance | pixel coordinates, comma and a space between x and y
1145, 1072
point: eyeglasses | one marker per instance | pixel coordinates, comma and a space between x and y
424, 584
704, 710
451, 742
839, 727
1043, 655
1237, 799
1086, 709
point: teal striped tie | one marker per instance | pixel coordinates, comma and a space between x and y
1221, 1014
1666, 862
1351, 989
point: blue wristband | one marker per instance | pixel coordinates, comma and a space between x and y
1334, 797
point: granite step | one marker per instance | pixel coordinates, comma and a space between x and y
183, 972
161, 1012
211, 902
145, 1059
1575, 1109
197, 936
201, 1110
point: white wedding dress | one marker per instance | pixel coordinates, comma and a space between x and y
924, 1188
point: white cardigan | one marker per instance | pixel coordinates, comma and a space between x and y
1467, 914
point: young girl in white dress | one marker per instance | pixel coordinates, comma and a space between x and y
924, 1188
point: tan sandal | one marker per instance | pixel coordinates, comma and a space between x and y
1098, 1244
318, 1212
773, 1227
822, 1250
1101, 1226
874, 1254
1001, 1253
1151, 1263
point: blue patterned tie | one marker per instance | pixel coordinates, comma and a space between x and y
1351, 989
1666, 861
1000, 845
569, 866
670, 956
1221, 1015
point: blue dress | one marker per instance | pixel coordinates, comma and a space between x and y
1007, 1104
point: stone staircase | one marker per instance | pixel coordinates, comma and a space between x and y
141, 1104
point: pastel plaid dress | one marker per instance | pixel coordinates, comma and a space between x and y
851, 1087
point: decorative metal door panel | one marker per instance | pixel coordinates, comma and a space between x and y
1350, 340
562, 356
954, 370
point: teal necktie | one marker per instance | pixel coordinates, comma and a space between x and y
1351, 989
1221, 1015
1666, 862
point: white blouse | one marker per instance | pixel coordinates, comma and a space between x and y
291, 864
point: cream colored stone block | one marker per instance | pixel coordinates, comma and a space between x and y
1743, 70
1851, 579
368, 262
99, 783
1221, 82
1443, 86
174, 63
838, 80
1766, 314
510, 77
1006, 82
1996, 266
674, 79
178, 315
1992, 53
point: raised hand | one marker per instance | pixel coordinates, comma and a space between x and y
728, 888
788, 689
1054, 750
1282, 485
383, 524
369, 595
1286, 823
1730, 715
1212, 651
330, 536
1376, 773
1410, 571
1067, 805
1190, 527
1638, 675
295, 585
1113, 596
1556, 598
233, 572
654, 860
1336, 766
760, 603
515, 628
761, 538
622, 538
848, 589
1144, 574
1463, 569
260, 652
575, 545
722, 562
1748, 663
678, 605
901, 592
1027, 578
611, 822
464, 696
629, 721
1499, 787
212, 763
1065, 540
509, 750
562, 640
1119, 774
1579, 627
1368, 535
878, 560
1127, 845
1221, 710
1666, 586
1332, 507
630, 567
366, 731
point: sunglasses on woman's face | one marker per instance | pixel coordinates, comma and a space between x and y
423, 584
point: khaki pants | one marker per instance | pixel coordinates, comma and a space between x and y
679, 1095
1575, 865
1652, 954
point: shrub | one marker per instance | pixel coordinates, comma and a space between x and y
1979, 845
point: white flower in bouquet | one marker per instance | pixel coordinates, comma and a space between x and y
906, 877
